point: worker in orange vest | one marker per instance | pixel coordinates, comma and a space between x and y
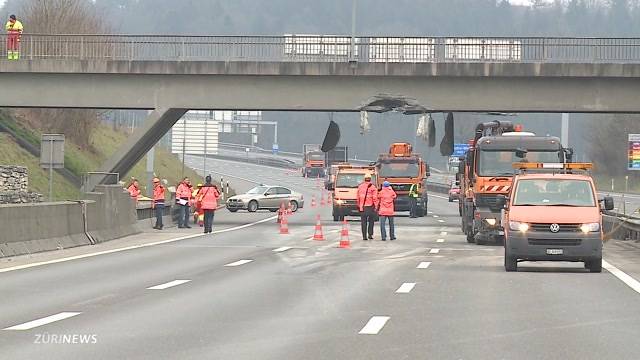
158, 202
134, 189
14, 32
367, 204
183, 199
386, 210
208, 198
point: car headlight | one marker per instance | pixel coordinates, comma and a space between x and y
518, 226
491, 221
590, 227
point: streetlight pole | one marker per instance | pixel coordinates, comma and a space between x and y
354, 9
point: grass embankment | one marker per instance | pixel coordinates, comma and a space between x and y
104, 142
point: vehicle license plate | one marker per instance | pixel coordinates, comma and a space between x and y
555, 251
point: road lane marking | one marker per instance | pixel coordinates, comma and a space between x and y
186, 237
628, 280
405, 288
435, 216
439, 197
443, 233
374, 325
43, 321
238, 263
440, 220
423, 265
440, 240
168, 285
281, 249
434, 251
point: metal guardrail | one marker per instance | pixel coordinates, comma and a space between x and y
311, 48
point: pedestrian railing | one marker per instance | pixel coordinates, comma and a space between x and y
312, 48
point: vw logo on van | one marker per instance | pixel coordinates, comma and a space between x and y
554, 228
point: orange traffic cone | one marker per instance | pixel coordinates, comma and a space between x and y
322, 201
284, 225
344, 236
289, 211
318, 235
280, 213
313, 201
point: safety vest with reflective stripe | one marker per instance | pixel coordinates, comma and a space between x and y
15, 28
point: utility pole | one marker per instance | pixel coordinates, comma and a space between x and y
564, 130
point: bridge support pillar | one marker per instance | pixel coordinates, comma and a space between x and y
138, 144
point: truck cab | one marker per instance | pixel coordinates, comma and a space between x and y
553, 214
345, 189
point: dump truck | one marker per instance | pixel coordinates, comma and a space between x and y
486, 171
402, 168
313, 161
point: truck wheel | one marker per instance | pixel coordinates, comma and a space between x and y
470, 236
510, 262
594, 266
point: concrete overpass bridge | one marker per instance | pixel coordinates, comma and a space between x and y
173, 74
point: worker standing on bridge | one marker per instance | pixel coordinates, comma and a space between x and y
158, 202
208, 198
183, 197
386, 210
14, 32
367, 204
413, 200
134, 189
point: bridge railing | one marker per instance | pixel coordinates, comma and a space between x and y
312, 48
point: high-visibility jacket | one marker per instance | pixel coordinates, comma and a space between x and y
183, 191
208, 197
413, 191
134, 191
158, 194
367, 195
15, 28
386, 197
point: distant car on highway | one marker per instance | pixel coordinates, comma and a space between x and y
454, 192
266, 197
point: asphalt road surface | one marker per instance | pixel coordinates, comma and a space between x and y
247, 292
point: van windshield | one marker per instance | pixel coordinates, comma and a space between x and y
350, 180
554, 192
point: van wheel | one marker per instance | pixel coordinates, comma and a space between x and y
253, 206
594, 266
510, 262
470, 237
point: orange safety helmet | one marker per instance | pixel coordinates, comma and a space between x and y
156, 180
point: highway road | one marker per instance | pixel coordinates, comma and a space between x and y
247, 292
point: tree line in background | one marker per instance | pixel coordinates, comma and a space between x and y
599, 137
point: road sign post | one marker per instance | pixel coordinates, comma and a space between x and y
51, 156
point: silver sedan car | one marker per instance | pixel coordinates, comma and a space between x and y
266, 197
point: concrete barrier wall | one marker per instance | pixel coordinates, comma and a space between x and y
30, 228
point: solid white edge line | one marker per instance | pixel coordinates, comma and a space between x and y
423, 265
374, 325
186, 237
281, 249
168, 285
238, 263
624, 277
43, 321
405, 288
434, 251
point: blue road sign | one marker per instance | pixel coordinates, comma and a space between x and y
460, 149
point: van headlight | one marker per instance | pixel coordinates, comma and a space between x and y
590, 227
491, 221
339, 201
518, 226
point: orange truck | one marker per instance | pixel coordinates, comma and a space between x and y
345, 189
313, 161
403, 168
486, 172
552, 213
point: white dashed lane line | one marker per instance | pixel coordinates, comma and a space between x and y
43, 321
238, 263
281, 249
168, 285
374, 325
440, 220
405, 288
443, 233
434, 251
435, 216
440, 240
423, 265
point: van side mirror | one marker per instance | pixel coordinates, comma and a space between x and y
331, 186
608, 203
501, 201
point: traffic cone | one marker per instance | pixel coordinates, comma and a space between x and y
313, 201
284, 225
344, 236
318, 235
289, 211
280, 213
322, 201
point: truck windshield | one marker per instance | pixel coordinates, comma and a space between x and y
554, 192
351, 180
399, 169
316, 156
500, 163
